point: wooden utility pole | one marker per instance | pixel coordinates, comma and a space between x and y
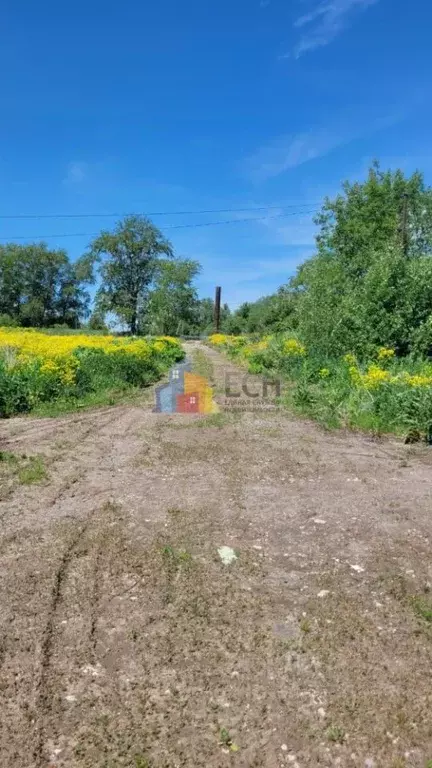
404, 224
217, 308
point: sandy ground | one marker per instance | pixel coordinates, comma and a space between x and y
125, 641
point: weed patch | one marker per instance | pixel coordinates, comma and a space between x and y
27, 470
423, 609
336, 734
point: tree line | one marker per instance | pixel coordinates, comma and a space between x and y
369, 282
142, 285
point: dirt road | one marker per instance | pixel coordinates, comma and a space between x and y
126, 641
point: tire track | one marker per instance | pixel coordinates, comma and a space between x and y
43, 704
60, 492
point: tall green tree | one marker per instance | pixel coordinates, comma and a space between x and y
128, 259
367, 217
205, 316
40, 287
173, 303
369, 282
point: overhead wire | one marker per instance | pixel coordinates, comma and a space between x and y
151, 213
167, 227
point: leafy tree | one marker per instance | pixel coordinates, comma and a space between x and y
205, 316
40, 287
270, 314
129, 258
97, 321
364, 287
367, 217
173, 303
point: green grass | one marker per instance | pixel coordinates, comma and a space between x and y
141, 762
32, 472
28, 470
336, 734
202, 365
175, 558
218, 420
423, 609
101, 398
347, 394
226, 740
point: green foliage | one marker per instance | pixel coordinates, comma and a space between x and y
88, 370
27, 469
386, 394
204, 316
129, 257
97, 322
40, 287
336, 734
369, 283
173, 303
275, 313
362, 289
423, 608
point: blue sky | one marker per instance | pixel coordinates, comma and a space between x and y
186, 106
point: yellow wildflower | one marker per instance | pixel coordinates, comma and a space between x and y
375, 376
350, 359
49, 366
218, 339
385, 353
293, 348
355, 374
419, 381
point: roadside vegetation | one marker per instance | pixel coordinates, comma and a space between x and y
382, 394
352, 329
38, 369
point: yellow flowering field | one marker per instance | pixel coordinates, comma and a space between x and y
36, 367
382, 394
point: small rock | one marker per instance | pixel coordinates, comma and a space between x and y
227, 555
319, 521
323, 593
357, 568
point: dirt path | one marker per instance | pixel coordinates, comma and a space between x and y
125, 641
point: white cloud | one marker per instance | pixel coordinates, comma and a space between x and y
76, 173
325, 22
287, 152
300, 232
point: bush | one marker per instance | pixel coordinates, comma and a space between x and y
384, 394
38, 368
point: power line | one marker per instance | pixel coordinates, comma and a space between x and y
154, 213
170, 226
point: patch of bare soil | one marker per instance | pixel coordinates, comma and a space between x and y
125, 640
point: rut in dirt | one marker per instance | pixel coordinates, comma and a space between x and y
126, 641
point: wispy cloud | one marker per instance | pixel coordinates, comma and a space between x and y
325, 22
76, 173
287, 152
292, 150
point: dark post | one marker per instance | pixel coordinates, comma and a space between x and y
217, 308
405, 241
